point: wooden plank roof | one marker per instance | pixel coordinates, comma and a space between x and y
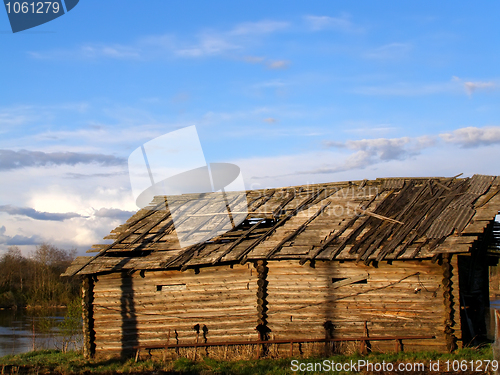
382, 219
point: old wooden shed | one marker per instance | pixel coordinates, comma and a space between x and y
384, 258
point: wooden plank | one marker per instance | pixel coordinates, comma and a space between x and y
298, 231
349, 280
237, 242
381, 217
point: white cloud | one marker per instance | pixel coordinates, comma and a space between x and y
418, 159
122, 215
92, 51
454, 86
93, 139
16, 239
351, 158
115, 51
260, 27
13, 118
97, 200
391, 51
341, 23
270, 64
208, 45
386, 148
270, 120
411, 89
373, 151
253, 59
81, 233
16, 117
10, 159
106, 201
473, 136
471, 87
37, 215
205, 43
278, 64
367, 129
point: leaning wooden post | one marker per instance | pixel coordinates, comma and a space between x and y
365, 345
88, 317
398, 347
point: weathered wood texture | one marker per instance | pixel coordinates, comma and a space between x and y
364, 221
278, 300
129, 310
397, 299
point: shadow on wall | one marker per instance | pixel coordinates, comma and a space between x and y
129, 334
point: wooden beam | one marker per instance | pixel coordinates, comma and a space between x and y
369, 213
299, 230
302, 205
443, 186
237, 242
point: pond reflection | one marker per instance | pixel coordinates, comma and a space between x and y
26, 330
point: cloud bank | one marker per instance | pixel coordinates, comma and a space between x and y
37, 215
473, 136
18, 240
10, 159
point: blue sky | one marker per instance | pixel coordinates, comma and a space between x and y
292, 92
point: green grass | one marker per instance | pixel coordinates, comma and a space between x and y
73, 362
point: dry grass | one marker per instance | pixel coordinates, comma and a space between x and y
251, 352
55, 362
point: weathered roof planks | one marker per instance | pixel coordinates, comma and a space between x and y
383, 219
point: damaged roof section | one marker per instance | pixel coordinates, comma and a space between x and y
383, 219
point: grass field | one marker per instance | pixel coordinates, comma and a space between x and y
55, 362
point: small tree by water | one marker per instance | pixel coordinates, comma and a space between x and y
71, 326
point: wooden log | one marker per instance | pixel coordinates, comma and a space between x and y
88, 317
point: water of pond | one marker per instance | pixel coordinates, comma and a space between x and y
22, 331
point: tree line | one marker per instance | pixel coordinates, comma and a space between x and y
35, 280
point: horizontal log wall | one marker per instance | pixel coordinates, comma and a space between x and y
129, 310
399, 299
325, 300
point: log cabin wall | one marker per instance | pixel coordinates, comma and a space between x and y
405, 298
153, 307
